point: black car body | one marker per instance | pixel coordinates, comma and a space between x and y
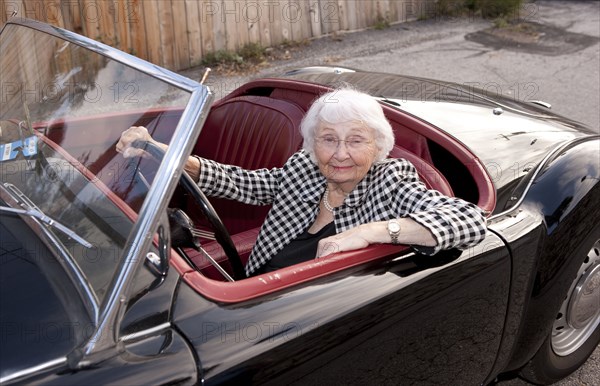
120, 298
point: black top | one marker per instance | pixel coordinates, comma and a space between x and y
302, 248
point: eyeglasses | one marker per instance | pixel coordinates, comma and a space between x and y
330, 142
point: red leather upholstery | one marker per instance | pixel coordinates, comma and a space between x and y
252, 132
432, 177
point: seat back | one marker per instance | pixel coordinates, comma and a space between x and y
251, 132
432, 177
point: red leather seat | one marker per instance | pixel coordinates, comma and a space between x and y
251, 132
432, 177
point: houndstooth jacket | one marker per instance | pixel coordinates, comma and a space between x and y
391, 189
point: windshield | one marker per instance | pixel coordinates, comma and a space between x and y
63, 109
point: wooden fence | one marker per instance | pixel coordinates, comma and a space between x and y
177, 33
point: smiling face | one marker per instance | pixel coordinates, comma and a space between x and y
344, 152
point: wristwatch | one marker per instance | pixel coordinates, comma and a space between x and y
393, 227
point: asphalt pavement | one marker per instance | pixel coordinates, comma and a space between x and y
553, 55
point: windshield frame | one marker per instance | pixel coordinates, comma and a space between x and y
139, 241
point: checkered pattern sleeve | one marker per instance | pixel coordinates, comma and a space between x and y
255, 187
454, 223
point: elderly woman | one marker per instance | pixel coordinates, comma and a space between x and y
339, 192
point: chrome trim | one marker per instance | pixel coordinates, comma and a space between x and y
150, 331
32, 370
541, 103
140, 237
590, 280
113, 53
540, 166
216, 265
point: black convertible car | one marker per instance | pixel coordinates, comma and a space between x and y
120, 271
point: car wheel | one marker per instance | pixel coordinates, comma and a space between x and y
576, 330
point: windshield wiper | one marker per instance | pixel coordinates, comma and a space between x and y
33, 211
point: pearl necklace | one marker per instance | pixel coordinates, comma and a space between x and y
326, 203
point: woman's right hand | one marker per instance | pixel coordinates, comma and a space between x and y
134, 133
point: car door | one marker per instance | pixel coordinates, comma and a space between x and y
412, 319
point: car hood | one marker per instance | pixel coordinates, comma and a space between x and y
507, 135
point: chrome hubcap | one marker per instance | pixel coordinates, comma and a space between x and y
580, 312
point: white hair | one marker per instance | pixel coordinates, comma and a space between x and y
345, 105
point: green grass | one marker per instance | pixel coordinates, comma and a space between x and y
488, 9
381, 23
248, 55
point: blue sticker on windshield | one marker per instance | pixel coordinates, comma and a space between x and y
28, 146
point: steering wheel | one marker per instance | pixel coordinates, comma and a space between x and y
221, 234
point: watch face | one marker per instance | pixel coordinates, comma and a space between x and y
394, 226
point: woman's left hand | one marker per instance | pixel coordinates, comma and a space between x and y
349, 240
375, 232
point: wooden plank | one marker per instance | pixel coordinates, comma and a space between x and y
194, 34
279, 27
214, 10
165, 24
75, 13
281, 12
90, 19
152, 29
103, 12
134, 15
351, 15
251, 13
315, 19
241, 35
383, 11
230, 18
206, 15
180, 36
123, 24
304, 22
361, 8
265, 26
7, 9
330, 16
393, 7
293, 14
342, 15
48, 11
396, 10
369, 11
31, 9
63, 12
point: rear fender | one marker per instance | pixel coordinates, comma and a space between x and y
563, 196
